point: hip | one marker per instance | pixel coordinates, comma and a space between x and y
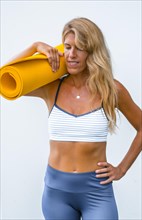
75, 182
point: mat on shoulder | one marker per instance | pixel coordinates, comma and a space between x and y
25, 75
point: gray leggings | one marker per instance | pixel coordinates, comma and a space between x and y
72, 196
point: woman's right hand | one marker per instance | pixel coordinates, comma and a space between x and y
52, 54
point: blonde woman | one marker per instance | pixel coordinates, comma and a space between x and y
82, 110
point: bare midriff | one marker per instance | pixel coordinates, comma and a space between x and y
76, 156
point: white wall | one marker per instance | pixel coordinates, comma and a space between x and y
24, 134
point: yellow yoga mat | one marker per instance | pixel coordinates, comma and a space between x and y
25, 75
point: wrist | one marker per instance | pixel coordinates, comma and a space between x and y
122, 170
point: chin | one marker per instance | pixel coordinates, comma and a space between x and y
73, 71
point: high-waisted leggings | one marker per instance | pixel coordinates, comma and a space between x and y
76, 196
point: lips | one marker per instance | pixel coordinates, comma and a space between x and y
72, 63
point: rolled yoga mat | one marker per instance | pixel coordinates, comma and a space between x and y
25, 75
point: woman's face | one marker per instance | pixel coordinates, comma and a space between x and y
75, 58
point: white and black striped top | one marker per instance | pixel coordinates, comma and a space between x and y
88, 127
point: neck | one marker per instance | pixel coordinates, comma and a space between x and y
78, 80
78, 84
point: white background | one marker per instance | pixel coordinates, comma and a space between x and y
24, 132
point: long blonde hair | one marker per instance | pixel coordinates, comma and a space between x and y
89, 37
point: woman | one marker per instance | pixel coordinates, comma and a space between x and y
82, 110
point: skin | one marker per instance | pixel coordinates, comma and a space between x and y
83, 156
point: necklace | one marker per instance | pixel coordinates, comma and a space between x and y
76, 96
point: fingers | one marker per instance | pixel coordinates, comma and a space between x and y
108, 175
109, 180
106, 170
54, 58
52, 54
103, 164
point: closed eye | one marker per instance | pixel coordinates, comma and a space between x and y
80, 49
67, 46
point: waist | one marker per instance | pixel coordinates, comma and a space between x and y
73, 182
76, 157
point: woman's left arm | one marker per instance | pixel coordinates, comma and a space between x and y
134, 115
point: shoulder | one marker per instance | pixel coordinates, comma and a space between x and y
120, 87
50, 89
52, 85
125, 102
124, 98
122, 92
127, 105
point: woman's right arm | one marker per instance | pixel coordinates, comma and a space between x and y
26, 53
53, 58
52, 54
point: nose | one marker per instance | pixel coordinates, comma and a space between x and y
72, 53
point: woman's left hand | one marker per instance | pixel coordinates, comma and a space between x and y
108, 170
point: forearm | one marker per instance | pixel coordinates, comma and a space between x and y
26, 53
50, 52
132, 153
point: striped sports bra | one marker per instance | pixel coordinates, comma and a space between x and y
88, 127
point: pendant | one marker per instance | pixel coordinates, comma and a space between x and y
78, 97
